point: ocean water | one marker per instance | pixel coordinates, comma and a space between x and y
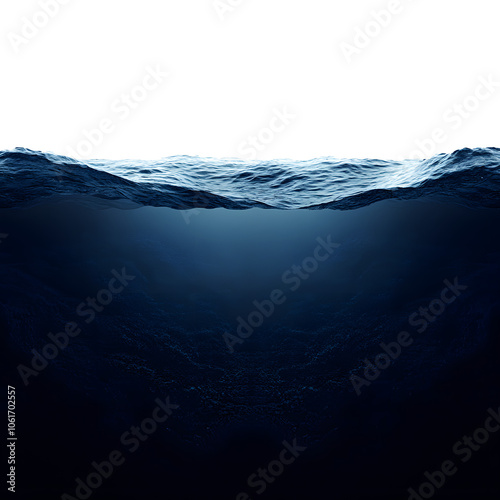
183, 181
255, 295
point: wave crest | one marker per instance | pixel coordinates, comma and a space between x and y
470, 176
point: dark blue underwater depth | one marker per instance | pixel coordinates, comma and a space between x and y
261, 293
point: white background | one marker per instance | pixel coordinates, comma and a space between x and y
229, 72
